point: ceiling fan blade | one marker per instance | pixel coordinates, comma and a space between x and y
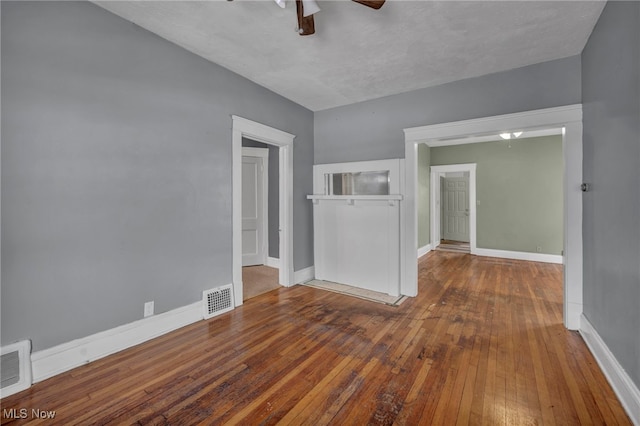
305, 23
374, 4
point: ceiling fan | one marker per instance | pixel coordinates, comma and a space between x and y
307, 8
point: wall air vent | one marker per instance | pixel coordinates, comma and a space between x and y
217, 301
15, 368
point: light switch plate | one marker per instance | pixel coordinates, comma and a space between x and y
148, 309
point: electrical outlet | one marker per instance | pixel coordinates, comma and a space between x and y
148, 309
539, 249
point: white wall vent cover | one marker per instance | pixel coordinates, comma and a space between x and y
217, 301
15, 368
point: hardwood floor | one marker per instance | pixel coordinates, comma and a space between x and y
457, 246
257, 280
483, 343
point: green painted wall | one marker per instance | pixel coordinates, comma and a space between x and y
518, 191
424, 179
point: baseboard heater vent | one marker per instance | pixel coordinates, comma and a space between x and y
217, 301
15, 368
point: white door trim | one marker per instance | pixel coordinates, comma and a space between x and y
264, 154
436, 172
569, 119
269, 135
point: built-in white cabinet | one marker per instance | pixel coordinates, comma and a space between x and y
356, 218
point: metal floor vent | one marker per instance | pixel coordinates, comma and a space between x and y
217, 301
15, 368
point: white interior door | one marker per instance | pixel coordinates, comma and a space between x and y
455, 209
253, 224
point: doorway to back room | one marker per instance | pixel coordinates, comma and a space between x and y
260, 218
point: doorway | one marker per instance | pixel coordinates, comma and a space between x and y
454, 212
569, 120
243, 128
462, 212
260, 218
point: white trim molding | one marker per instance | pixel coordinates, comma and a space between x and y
250, 151
622, 385
241, 127
566, 118
529, 120
520, 255
273, 262
492, 137
58, 359
304, 275
422, 251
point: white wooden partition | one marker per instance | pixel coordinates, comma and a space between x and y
357, 236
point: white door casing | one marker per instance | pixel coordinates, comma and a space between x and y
241, 127
255, 220
569, 120
455, 208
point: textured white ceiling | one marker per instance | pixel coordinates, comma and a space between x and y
359, 53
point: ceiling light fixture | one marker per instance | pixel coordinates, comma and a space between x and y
508, 135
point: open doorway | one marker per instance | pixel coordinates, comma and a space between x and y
247, 129
569, 120
260, 218
454, 212
453, 217
518, 181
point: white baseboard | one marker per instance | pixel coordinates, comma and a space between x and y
625, 389
518, 255
304, 275
64, 357
573, 315
424, 250
273, 262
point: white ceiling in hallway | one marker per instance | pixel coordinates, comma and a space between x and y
359, 53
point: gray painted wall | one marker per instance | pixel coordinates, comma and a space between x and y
273, 201
372, 130
611, 227
116, 171
519, 188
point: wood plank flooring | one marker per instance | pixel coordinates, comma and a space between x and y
457, 246
482, 344
257, 280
